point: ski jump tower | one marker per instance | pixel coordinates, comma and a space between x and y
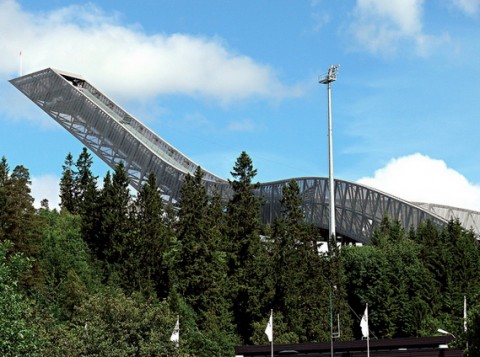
115, 136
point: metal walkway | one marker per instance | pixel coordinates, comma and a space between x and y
114, 135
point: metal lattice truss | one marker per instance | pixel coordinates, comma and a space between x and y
358, 209
468, 218
116, 136
107, 130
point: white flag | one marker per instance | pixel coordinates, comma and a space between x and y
269, 328
364, 323
176, 333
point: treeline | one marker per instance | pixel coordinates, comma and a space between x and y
110, 273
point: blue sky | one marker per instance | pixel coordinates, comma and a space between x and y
214, 78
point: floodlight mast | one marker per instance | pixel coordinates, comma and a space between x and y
329, 77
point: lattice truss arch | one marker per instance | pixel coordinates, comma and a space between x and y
114, 136
358, 209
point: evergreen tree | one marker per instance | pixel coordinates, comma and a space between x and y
149, 241
201, 267
301, 284
391, 276
114, 223
249, 266
86, 196
67, 185
4, 175
473, 332
85, 183
18, 220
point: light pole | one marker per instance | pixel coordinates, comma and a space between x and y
329, 77
446, 333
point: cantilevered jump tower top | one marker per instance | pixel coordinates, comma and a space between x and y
109, 131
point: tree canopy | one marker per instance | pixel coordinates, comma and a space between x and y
112, 271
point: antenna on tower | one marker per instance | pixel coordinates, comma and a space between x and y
21, 64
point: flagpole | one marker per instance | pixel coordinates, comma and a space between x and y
269, 331
271, 343
465, 316
175, 337
365, 329
331, 324
368, 336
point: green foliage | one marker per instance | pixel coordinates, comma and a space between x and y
17, 214
67, 185
413, 286
20, 334
201, 269
473, 332
301, 276
109, 223
108, 275
252, 287
110, 323
148, 242
4, 176
85, 183
195, 341
68, 272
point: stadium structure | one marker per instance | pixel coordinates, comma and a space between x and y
116, 136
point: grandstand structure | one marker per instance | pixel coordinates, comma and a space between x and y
116, 136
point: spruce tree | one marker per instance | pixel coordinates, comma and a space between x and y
80, 194
113, 223
67, 185
201, 266
149, 241
248, 261
301, 281
85, 183
4, 175
18, 219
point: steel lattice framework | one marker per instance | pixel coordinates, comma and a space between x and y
114, 135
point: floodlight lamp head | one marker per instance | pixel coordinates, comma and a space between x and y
446, 332
330, 76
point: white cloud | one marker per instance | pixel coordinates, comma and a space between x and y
419, 178
381, 26
125, 61
470, 7
46, 187
242, 125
